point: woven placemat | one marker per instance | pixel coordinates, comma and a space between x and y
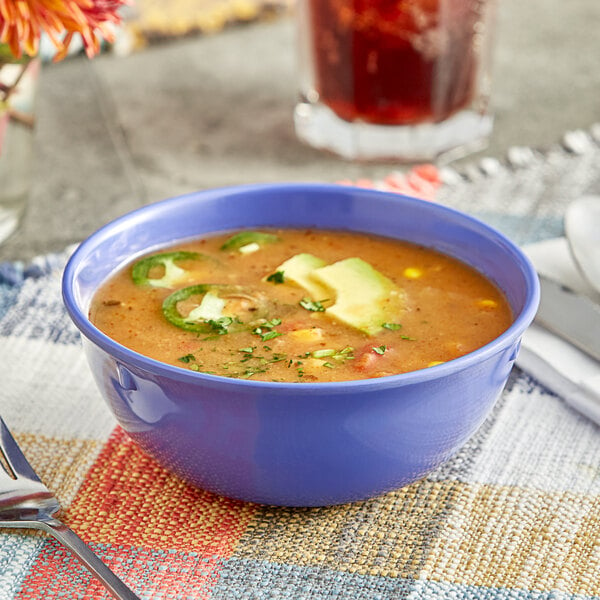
514, 515
523, 194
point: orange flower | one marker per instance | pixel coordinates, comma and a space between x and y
23, 21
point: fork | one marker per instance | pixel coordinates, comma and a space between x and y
26, 503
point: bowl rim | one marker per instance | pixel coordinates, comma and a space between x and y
132, 358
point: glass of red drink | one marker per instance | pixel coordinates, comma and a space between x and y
403, 80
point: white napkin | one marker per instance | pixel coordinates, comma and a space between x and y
554, 362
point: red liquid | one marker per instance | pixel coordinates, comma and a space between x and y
395, 62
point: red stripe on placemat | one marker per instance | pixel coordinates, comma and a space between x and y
151, 574
422, 181
127, 498
158, 532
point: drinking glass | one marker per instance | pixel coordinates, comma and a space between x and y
405, 80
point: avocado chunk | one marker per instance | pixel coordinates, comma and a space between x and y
298, 270
364, 298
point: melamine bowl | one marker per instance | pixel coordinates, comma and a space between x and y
300, 444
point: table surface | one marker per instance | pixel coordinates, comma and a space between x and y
121, 131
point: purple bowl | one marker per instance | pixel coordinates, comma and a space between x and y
309, 444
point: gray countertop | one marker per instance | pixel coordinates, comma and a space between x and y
118, 132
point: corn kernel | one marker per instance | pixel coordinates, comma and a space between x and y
487, 303
412, 273
433, 363
314, 334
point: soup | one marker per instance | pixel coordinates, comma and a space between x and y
292, 305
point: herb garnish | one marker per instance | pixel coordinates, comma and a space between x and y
337, 355
270, 333
395, 327
312, 305
380, 349
272, 323
276, 277
191, 361
220, 326
323, 353
188, 358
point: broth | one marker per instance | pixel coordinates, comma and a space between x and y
347, 306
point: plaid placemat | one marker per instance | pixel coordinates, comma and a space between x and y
515, 514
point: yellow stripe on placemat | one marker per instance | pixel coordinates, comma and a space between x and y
387, 536
157, 19
449, 532
61, 464
500, 536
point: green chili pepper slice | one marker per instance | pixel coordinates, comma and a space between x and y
251, 306
173, 274
244, 238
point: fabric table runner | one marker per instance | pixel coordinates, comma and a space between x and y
515, 514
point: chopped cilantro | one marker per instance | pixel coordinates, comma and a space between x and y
220, 326
344, 354
269, 335
250, 371
391, 326
188, 358
272, 323
380, 349
323, 353
276, 277
312, 305
278, 358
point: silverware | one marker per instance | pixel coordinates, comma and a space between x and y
582, 230
571, 316
25, 502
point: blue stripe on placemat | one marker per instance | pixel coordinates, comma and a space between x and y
262, 580
17, 554
31, 303
241, 579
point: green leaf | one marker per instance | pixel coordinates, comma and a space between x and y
248, 237
312, 305
276, 277
187, 358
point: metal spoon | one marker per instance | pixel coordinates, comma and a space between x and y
582, 229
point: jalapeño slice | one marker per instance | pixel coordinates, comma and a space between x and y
245, 238
173, 274
216, 308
